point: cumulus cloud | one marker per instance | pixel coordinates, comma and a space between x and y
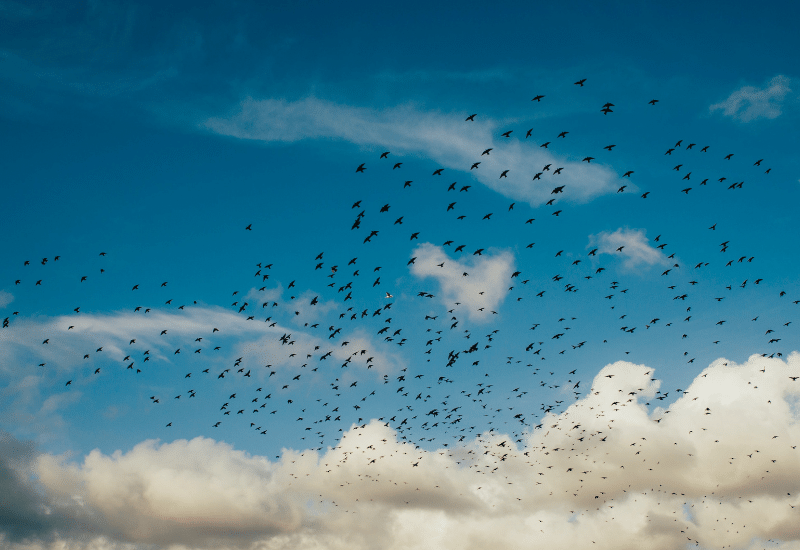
481, 290
5, 298
25, 512
636, 248
750, 103
717, 467
446, 139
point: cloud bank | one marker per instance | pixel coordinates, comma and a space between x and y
717, 467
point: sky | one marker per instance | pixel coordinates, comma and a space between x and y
305, 275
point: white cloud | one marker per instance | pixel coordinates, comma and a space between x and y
35, 398
161, 493
268, 349
259, 297
718, 467
483, 288
750, 103
382, 359
303, 310
113, 331
447, 139
637, 251
5, 298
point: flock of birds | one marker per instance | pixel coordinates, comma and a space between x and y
430, 406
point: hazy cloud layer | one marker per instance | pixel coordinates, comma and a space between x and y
444, 138
603, 474
480, 291
750, 103
257, 342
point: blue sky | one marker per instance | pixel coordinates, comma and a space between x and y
190, 159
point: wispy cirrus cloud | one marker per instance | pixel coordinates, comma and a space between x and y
750, 103
35, 395
446, 139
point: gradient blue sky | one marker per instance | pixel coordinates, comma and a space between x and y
156, 134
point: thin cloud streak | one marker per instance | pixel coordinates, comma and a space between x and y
454, 144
